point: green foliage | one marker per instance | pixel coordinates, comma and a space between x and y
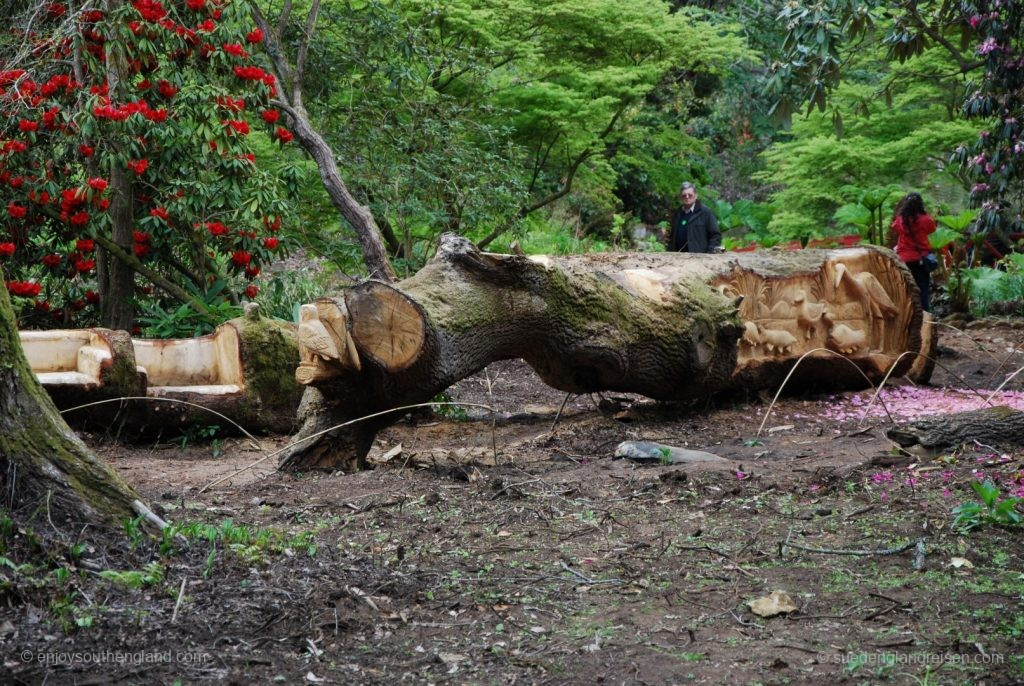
991, 510
152, 573
987, 285
467, 117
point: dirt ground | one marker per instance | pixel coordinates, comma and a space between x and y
513, 549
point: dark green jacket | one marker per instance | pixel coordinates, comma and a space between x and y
699, 233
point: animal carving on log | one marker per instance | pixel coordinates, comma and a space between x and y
670, 326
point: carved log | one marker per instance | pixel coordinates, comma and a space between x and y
666, 325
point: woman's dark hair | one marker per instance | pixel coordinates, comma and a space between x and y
912, 207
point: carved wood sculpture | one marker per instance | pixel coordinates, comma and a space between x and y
666, 325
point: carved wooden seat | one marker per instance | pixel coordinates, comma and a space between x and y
207, 365
63, 357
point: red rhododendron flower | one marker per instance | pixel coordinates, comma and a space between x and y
166, 89
216, 228
85, 265
235, 49
86, 150
240, 126
79, 219
6, 249
16, 211
195, 5
252, 271
252, 290
43, 305
270, 243
254, 36
159, 213
51, 260
140, 249
207, 26
98, 184
25, 126
241, 257
284, 135
140, 236
103, 204
139, 166
85, 245
92, 297
270, 116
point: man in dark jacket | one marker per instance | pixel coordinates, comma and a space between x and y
694, 227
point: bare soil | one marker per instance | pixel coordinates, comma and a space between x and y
511, 548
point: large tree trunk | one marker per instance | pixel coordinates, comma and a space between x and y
45, 470
669, 326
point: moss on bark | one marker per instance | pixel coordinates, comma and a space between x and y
41, 460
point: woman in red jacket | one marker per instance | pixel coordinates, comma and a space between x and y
911, 227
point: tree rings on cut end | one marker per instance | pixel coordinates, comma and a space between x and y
386, 325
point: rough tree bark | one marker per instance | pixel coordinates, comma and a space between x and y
669, 326
45, 470
1000, 425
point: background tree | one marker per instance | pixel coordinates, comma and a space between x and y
981, 41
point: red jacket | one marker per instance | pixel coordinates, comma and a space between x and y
913, 245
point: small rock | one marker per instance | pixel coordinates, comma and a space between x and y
647, 451
775, 603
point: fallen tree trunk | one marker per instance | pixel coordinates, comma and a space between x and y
666, 325
997, 426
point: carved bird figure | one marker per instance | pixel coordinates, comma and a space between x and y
807, 314
867, 288
314, 339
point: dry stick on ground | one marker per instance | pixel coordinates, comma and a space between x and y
328, 430
917, 543
559, 413
177, 605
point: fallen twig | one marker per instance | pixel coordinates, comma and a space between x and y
177, 605
831, 551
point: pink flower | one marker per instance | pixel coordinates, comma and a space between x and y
987, 46
741, 475
882, 477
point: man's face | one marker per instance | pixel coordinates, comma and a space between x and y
688, 196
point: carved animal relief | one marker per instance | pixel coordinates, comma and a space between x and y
857, 305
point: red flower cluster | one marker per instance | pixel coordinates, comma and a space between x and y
16, 211
26, 289
239, 126
6, 249
270, 243
284, 135
195, 5
255, 36
216, 228
139, 166
122, 112
231, 104
166, 89
270, 116
98, 184
26, 126
85, 245
235, 49
241, 258
151, 10
159, 213
51, 261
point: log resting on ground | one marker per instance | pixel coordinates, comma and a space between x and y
669, 326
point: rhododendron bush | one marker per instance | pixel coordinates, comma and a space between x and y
125, 148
